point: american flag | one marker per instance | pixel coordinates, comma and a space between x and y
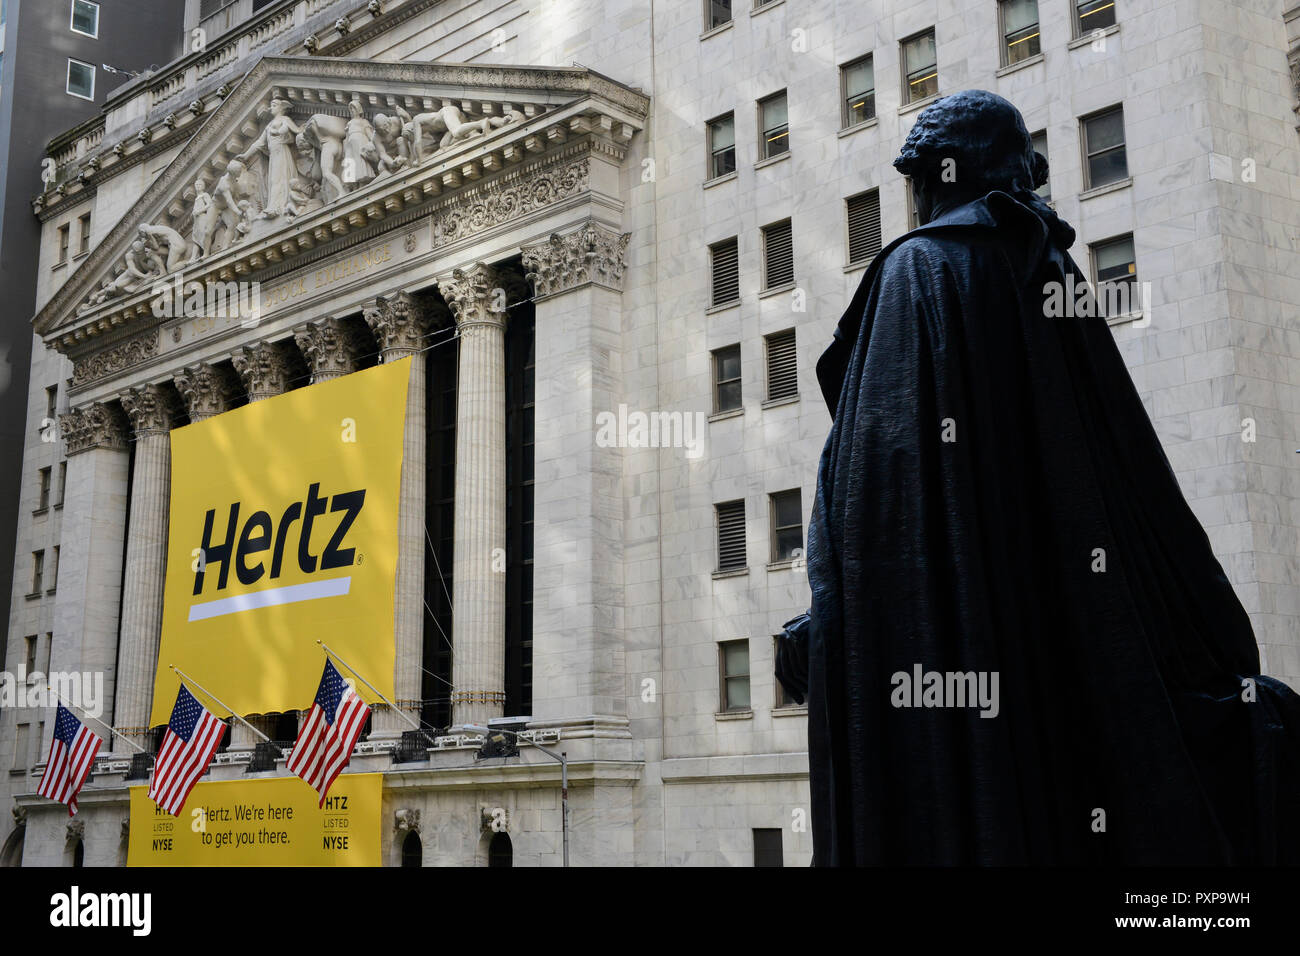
324, 744
187, 748
72, 754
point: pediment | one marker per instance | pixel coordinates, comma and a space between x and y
304, 150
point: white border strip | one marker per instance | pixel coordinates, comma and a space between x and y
271, 597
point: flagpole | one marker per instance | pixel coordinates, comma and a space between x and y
187, 677
69, 704
401, 713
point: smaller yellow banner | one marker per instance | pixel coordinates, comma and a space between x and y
274, 821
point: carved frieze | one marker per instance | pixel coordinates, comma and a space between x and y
593, 253
509, 198
115, 359
93, 426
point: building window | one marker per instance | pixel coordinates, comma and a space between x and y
85, 18
81, 79
767, 848
51, 401
920, 67
1039, 143
858, 91
726, 378
782, 699
733, 666
787, 524
716, 13
864, 226
38, 571
63, 484
21, 746
44, 499
731, 535
1020, 36
913, 214
724, 259
774, 121
778, 255
31, 643
1105, 159
54, 569
1092, 15
63, 243
782, 366
1114, 271
722, 145
83, 241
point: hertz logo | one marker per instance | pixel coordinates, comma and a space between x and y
245, 550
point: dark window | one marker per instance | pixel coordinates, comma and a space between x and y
782, 365
1103, 147
440, 512
64, 230
209, 7
726, 378
83, 240
858, 91
731, 535
1115, 276
767, 848
51, 402
920, 67
519, 509
412, 851
733, 668
782, 698
724, 260
54, 569
63, 483
787, 524
31, 652
774, 122
864, 225
85, 17
38, 570
722, 145
1020, 37
79, 855
718, 12
44, 501
1092, 15
500, 851
1039, 142
81, 81
259, 4
778, 255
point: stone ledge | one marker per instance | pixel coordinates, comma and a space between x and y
787, 766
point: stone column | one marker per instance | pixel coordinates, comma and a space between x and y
477, 299
265, 370
88, 600
152, 410
331, 347
400, 325
579, 596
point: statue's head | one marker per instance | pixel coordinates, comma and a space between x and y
235, 167
279, 106
200, 186
965, 145
354, 106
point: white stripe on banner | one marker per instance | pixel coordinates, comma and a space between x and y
291, 594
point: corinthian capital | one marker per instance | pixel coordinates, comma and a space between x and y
207, 390
399, 323
592, 253
151, 408
477, 295
264, 368
93, 426
331, 346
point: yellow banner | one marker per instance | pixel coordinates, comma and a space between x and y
273, 821
284, 532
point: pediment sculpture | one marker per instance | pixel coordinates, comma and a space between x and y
293, 167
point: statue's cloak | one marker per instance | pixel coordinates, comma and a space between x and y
985, 460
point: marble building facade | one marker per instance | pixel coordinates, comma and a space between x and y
411, 177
